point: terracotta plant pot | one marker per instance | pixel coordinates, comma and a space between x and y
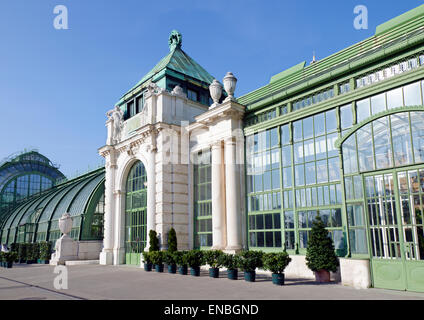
322, 276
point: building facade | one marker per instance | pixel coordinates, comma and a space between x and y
342, 137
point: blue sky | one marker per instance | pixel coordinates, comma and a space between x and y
56, 85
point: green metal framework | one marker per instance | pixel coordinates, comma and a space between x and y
136, 214
203, 200
24, 175
376, 135
36, 219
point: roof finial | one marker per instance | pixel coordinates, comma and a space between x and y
175, 40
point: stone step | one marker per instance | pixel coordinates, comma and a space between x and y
81, 262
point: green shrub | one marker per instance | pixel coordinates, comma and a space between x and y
45, 250
156, 257
195, 258
180, 258
169, 257
14, 247
22, 251
276, 262
320, 254
172, 240
9, 256
214, 258
36, 251
146, 257
154, 241
30, 251
2, 256
250, 260
230, 261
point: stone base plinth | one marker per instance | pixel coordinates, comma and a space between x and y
66, 249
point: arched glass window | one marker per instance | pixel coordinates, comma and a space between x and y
136, 213
391, 141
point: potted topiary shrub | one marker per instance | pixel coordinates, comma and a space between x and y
36, 252
195, 260
8, 258
214, 259
147, 261
14, 248
180, 258
169, 259
231, 262
276, 263
172, 240
157, 260
45, 252
249, 261
22, 252
154, 241
30, 253
320, 254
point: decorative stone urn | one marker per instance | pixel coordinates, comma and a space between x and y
66, 249
230, 82
215, 90
65, 224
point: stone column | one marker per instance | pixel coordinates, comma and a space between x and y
106, 256
151, 193
218, 200
232, 189
119, 247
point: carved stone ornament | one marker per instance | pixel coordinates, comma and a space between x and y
116, 115
178, 91
230, 86
65, 223
215, 90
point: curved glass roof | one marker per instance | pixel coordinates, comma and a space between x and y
72, 196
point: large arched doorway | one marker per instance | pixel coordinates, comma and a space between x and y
383, 166
135, 213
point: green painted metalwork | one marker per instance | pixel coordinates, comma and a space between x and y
357, 56
202, 190
135, 214
37, 218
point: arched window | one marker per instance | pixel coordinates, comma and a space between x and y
391, 141
136, 213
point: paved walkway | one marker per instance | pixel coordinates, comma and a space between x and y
35, 282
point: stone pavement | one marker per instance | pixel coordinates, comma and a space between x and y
35, 282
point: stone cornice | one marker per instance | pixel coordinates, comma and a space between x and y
229, 109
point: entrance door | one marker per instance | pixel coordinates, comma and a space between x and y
135, 214
395, 207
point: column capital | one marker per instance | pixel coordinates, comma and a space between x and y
216, 144
230, 140
118, 192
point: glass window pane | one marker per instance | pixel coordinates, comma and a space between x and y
298, 153
346, 117
331, 120
362, 110
382, 143
297, 130
308, 128
417, 128
287, 177
285, 135
287, 155
299, 175
412, 94
310, 173
401, 139
378, 103
319, 124
321, 148
322, 171
394, 98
